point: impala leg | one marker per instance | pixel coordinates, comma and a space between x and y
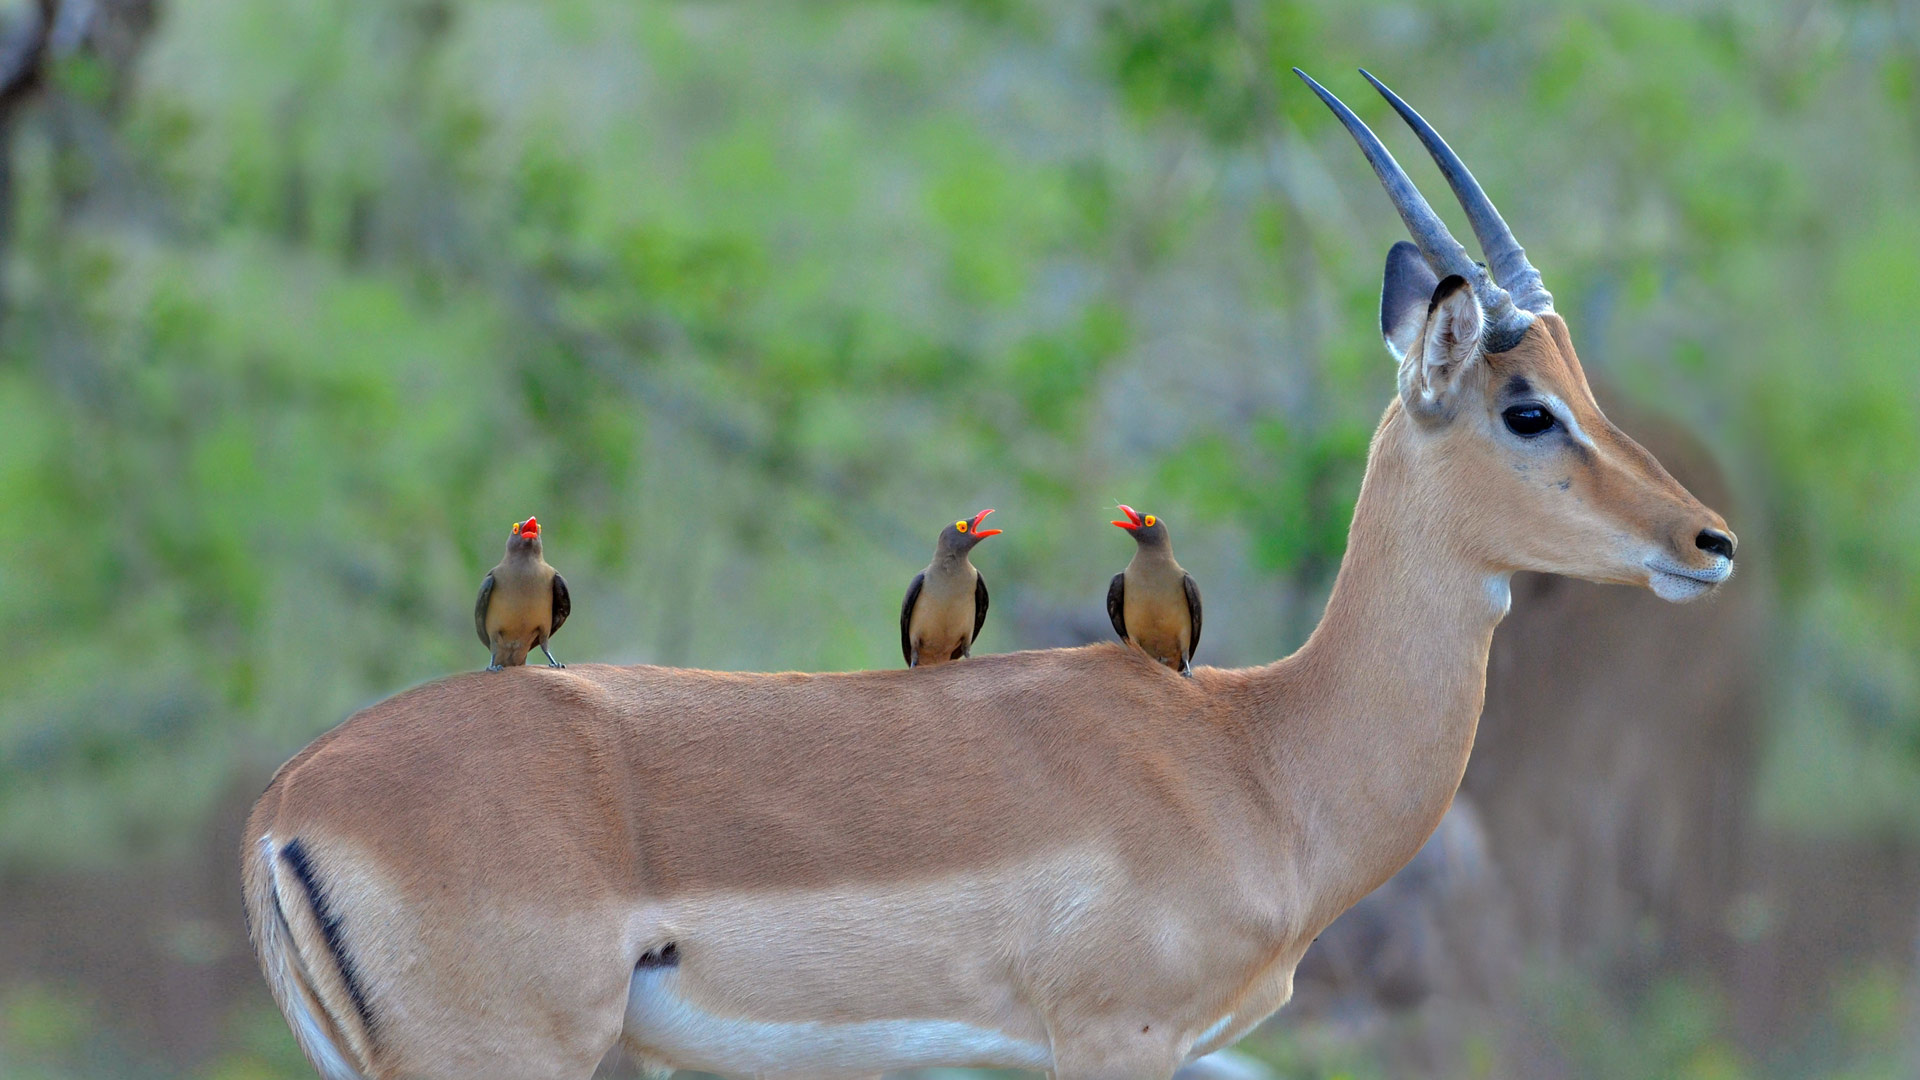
1224, 1065
1133, 1052
1110, 1070
817, 1076
509, 1048
545, 995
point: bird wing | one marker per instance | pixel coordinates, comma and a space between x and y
1117, 604
979, 604
480, 610
562, 603
906, 617
1193, 612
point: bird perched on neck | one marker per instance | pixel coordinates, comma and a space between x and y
947, 603
1154, 603
523, 601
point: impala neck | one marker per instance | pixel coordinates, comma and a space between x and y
1370, 723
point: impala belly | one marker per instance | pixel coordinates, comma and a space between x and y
986, 970
665, 1024
891, 977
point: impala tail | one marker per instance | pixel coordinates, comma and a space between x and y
298, 940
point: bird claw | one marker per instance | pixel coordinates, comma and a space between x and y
551, 662
494, 667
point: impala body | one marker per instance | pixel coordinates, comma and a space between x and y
1069, 860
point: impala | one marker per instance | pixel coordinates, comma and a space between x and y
1069, 860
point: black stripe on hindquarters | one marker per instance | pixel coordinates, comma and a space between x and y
295, 855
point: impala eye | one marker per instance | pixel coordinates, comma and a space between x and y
1528, 421
961, 525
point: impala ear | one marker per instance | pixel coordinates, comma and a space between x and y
1406, 287
1447, 346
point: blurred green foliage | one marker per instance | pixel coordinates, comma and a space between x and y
307, 306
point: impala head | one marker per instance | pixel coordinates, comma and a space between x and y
1147, 530
524, 537
1498, 415
959, 537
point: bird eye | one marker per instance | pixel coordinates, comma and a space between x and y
1527, 421
1149, 521
961, 525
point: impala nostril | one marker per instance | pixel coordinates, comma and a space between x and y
1715, 542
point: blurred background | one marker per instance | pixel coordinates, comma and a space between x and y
303, 304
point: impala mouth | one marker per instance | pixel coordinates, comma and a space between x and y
1678, 584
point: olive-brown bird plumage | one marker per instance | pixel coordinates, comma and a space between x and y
946, 604
522, 603
1154, 603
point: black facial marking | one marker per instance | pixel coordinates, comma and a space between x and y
1565, 483
665, 956
1518, 386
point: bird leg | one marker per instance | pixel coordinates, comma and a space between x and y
551, 662
495, 666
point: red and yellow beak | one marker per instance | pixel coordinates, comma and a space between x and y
529, 528
1134, 520
978, 532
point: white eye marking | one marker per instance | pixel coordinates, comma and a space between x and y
1565, 415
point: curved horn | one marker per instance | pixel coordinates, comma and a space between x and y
1437, 245
1511, 270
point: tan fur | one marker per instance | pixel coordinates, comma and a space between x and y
1061, 853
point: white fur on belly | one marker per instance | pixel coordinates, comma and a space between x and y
666, 1023
903, 976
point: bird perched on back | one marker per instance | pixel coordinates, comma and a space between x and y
523, 601
1153, 603
947, 603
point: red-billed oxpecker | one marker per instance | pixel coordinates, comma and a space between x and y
1153, 603
947, 603
523, 601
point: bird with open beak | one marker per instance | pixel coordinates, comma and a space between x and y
947, 603
523, 601
1154, 604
